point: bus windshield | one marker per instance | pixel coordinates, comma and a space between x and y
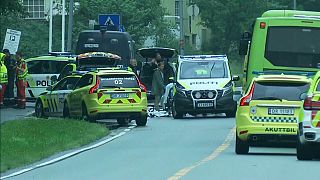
293, 46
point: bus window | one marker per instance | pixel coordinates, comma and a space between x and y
293, 46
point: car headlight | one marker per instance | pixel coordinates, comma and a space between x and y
228, 88
210, 94
197, 95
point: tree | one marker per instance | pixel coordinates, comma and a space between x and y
11, 6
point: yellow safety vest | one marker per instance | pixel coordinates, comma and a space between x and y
3, 74
23, 71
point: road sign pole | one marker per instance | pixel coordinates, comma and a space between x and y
181, 27
50, 26
70, 26
63, 29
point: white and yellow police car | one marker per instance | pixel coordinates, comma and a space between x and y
41, 69
203, 85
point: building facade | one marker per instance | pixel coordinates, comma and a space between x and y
195, 34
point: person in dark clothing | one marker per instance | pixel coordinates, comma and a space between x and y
11, 65
168, 73
134, 67
157, 85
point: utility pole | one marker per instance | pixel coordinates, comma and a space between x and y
63, 29
50, 26
294, 4
181, 43
70, 26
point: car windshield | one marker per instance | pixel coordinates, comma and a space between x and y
203, 69
118, 80
290, 91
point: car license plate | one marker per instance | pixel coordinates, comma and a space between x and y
280, 111
119, 95
207, 104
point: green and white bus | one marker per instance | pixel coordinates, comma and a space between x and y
282, 41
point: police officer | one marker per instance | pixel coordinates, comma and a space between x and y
3, 79
10, 63
22, 72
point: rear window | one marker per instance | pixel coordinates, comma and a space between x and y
45, 66
279, 90
118, 80
97, 62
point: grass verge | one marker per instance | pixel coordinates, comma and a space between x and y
29, 140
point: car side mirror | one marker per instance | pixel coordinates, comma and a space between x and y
303, 96
235, 78
49, 88
70, 86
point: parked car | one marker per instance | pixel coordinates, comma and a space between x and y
50, 102
108, 93
269, 110
308, 143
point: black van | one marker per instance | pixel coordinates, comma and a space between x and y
115, 42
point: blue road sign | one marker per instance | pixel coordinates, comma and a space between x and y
109, 20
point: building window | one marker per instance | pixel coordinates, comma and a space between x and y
35, 9
176, 8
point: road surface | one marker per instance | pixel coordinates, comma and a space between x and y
192, 148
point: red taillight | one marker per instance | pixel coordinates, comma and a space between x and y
308, 104
263, 25
95, 87
142, 86
243, 132
246, 99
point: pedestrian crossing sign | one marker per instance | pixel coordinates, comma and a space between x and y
109, 20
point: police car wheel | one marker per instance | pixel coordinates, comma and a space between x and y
141, 121
122, 121
303, 151
66, 113
242, 147
39, 112
85, 115
175, 114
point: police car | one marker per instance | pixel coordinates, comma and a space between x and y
41, 69
269, 110
108, 93
309, 123
203, 85
91, 61
50, 102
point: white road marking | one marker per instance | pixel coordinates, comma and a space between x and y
67, 155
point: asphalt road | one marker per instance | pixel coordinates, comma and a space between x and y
7, 114
192, 148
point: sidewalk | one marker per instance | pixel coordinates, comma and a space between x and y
7, 114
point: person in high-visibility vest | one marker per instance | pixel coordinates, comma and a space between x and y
3, 79
22, 72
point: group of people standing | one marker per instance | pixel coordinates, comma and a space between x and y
162, 75
12, 71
